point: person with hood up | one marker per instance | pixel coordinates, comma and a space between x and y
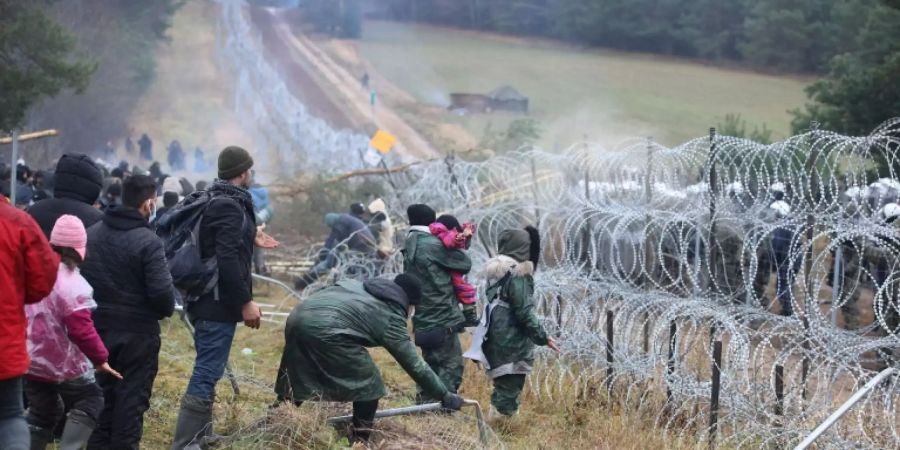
27, 275
133, 289
438, 319
456, 236
77, 187
65, 349
509, 330
326, 340
176, 156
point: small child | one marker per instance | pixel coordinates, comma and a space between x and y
456, 236
64, 348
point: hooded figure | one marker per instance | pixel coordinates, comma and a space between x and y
77, 187
326, 337
504, 341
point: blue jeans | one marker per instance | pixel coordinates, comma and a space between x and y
213, 343
14, 433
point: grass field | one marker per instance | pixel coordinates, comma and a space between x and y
575, 93
571, 420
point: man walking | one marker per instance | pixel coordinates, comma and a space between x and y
133, 288
438, 318
227, 233
27, 274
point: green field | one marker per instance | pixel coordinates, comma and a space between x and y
574, 93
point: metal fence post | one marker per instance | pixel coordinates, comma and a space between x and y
779, 390
14, 167
670, 369
714, 395
609, 350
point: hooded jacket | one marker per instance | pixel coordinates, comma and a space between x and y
128, 270
514, 329
77, 187
427, 259
326, 337
28, 271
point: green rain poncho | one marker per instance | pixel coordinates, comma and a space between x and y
513, 330
326, 336
427, 258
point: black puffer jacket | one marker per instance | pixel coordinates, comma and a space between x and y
78, 184
127, 268
227, 231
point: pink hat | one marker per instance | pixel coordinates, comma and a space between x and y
69, 232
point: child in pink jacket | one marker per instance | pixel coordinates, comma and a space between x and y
64, 348
455, 236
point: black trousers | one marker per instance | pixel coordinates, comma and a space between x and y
136, 357
48, 402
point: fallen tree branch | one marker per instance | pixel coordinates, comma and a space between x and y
29, 136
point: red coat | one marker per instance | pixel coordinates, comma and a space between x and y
28, 268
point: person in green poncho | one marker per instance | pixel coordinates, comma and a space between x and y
504, 341
326, 336
439, 319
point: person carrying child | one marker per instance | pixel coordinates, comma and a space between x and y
458, 237
65, 349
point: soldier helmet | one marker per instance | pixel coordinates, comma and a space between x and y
782, 209
890, 212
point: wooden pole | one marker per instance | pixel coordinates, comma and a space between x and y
29, 136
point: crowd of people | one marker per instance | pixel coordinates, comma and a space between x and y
104, 254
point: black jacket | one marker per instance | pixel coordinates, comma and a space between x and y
227, 232
78, 183
127, 268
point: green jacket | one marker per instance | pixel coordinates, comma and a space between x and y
326, 336
427, 258
514, 329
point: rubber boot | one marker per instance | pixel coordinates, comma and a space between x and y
194, 423
78, 429
40, 437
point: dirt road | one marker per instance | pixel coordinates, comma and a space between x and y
330, 89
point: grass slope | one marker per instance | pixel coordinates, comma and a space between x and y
576, 93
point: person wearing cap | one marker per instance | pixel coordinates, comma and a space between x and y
881, 260
326, 339
133, 289
77, 187
785, 263
439, 318
504, 341
65, 349
27, 276
227, 233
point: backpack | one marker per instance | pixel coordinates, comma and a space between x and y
179, 230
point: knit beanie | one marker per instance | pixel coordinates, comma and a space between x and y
233, 161
411, 286
69, 232
420, 215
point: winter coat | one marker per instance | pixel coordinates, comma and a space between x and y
325, 354
62, 342
78, 183
350, 231
27, 274
261, 204
513, 329
128, 270
227, 233
427, 259
465, 292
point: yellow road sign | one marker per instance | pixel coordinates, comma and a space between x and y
383, 141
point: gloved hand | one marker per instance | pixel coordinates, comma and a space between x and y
452, 401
